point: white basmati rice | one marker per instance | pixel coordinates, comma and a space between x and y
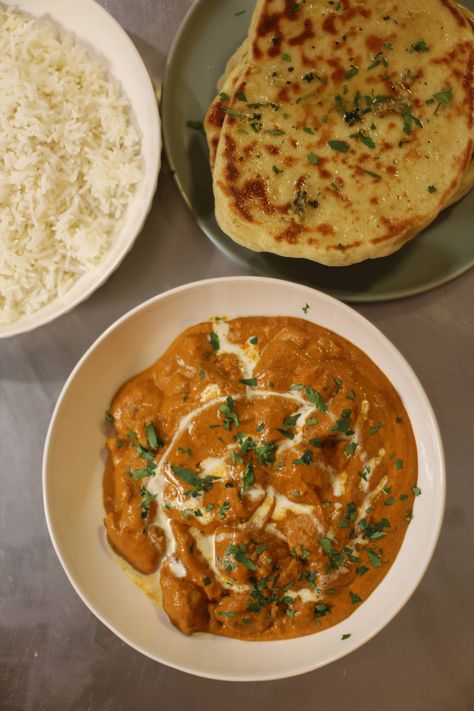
70, 160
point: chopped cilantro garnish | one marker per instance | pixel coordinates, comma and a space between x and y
239, 552
223, 510
378, 60
374, 559
286, 57
235, 459
340, 146
251, 382
276, 169
346, 636
350, 448
315, 398
321, 609
140, 473
147, 498
432, 189
336, 558
214, 338
198, 484
152, 438
206, 581
399, 464
109, 417
316, 442
444, 96
249, 478
294, 387
305, 97
419, 46
355, 598
372, 174
408, 120
306, 308
378, 426
343, 424
288, 424
363, 138
302, 555
228, 411
265, 452
352, 72
313, 158
363, 474
351, 511
227, 614
416, 490
223, 96
254, 340
374, 531
306, 458
241, 96
361, 570
338, 384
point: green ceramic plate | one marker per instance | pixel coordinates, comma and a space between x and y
211, 31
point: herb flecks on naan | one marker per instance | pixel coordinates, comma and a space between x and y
343, 128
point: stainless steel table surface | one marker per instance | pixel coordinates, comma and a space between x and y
54, 654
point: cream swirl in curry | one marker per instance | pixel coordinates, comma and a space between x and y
264, 469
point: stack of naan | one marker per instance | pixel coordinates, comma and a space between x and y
343, 127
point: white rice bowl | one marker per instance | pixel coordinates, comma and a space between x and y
72, 119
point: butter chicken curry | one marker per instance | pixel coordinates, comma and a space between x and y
265, 469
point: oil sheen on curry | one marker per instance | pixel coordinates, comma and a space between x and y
262, 473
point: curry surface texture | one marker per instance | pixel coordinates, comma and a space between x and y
264, 471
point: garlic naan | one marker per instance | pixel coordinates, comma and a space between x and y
345, 126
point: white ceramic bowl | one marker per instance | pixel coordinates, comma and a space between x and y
73, 467
91, 25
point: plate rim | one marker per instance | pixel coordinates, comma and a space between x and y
350, 297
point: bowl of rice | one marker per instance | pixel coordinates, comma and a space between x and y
79, 151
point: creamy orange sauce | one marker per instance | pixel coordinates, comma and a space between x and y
268, 508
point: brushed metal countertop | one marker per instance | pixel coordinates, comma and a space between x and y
54, 654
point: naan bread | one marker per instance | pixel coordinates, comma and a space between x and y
349, 126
